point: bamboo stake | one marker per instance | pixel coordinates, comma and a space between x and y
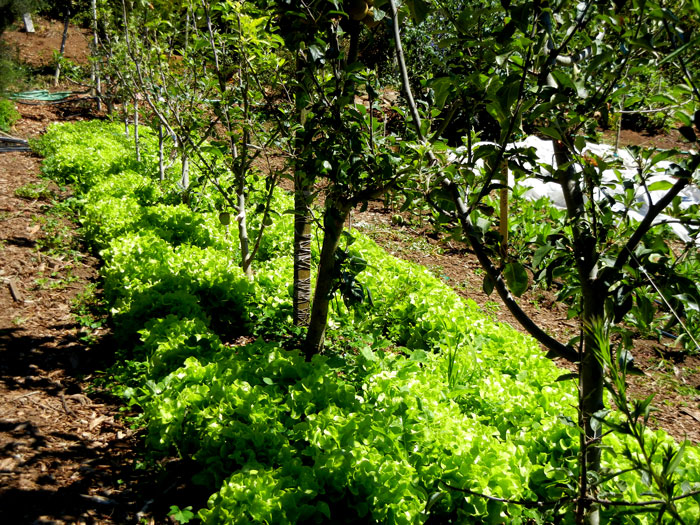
504, 211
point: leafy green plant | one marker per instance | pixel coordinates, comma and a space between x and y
89, 311
35, 191
58, 238
8, 114
347, 268
654, 459
184, 515
83, 153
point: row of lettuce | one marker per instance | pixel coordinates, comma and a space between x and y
418, 398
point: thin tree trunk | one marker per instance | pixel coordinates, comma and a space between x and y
95, 75
303, 198
161, 152
185, 172
125, 112
246, 262
137, 142
303, 191
591, 384
246, 257
333, 222
591, 387
63, 46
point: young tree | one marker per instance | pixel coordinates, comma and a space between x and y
67, 14
201, 83
241, 49
529, 84
337, 139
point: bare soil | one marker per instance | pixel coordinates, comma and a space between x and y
671, 140
37, 49
66, 453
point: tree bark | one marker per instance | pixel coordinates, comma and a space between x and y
185, 170
303, 191
593, 294
242, 169
303, 199
334, 218
591, 387
125, 114
137, 141
246, 259
161, 152
95, 68
63, 45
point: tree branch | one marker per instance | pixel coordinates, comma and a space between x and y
555, 347
520, 502
647, 222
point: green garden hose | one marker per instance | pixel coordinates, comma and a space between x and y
43, 96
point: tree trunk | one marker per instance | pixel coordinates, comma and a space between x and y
185, 171
161, 152
125, 113
303, 199
95, 68
63, 46
137, 142
591, 384
246, 259
303, 191
333, 221
242, 169
591, 387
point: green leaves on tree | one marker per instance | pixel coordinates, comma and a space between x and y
516, 277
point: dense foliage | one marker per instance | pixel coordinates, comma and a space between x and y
419, 393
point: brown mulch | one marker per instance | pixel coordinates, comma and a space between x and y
67, 455
671, 140
37, 49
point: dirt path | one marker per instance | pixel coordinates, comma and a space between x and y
65, 454
59, 443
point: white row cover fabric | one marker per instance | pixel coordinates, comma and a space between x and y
613, 184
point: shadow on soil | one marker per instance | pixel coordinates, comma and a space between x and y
59, 474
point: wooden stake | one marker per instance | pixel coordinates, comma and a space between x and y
16, 295
504, 210
28, 24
